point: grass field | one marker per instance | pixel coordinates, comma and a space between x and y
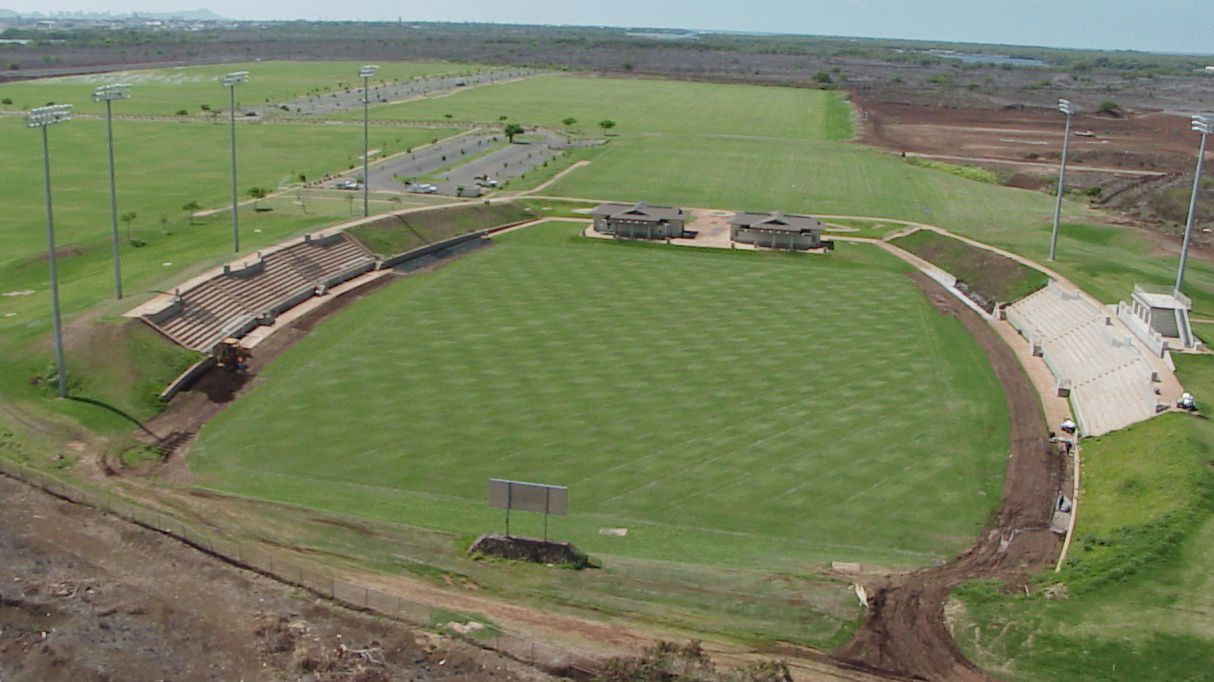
649, 107
779, 403
770, 148
167, 91
161, 166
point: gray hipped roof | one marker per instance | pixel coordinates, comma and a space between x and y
641, 211
777, 222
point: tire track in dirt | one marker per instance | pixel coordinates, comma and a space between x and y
904, 632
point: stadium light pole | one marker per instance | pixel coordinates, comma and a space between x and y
230, 81
45, 117
366, 73
1065, 107
108, 94
1203, 125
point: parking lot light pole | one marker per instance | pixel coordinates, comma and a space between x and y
45, 117
366, 73
107, 94
1065, 107
230, 81
1203, 125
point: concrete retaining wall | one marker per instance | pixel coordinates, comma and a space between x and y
186, 378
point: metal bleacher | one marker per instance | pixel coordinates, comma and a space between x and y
1109, 377
236, 300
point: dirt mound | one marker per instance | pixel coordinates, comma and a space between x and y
220, 385
86, 596
1024, 181
904, 632
529, 549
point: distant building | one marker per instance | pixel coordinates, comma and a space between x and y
639, 221
777, 230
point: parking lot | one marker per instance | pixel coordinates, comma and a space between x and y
395, 174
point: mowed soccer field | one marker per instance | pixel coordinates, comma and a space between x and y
731, 408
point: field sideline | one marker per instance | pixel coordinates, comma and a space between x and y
800, 407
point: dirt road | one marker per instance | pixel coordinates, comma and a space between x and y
904, 632
84, 596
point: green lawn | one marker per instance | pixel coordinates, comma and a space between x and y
161, 167
1138, 591
733, 408
648, 107
770, 148
166, 91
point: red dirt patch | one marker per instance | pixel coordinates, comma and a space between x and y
86, 596
1148, 141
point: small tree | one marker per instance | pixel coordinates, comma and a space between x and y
823, 78
190, 207
128, 218
569, 122
257, 193
606, 125
448, 116
1109, 107
511, 130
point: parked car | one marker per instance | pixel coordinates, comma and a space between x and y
422, 188
348, 184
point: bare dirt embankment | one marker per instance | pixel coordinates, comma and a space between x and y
904, 633
1133, 141
86, 596
1139, 164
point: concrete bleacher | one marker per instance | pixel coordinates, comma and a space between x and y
252, 292
1109, 380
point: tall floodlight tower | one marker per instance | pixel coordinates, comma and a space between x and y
45, 117
230, 81
366, 73
108, 94
1065, 107
1203, 125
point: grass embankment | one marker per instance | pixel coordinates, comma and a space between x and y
397, 234
994, 277
716, 425
558, 208
1135, 600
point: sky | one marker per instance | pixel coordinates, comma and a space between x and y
1150, 25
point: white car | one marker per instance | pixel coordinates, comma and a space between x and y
348, 184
